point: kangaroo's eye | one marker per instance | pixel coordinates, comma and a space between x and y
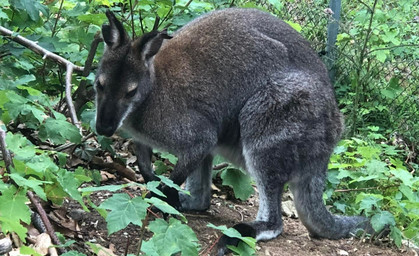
131, 93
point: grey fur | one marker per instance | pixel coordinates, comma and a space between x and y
238, 82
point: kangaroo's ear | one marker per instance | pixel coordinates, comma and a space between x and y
149, 44
114, 34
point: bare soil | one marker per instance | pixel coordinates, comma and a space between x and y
293, 241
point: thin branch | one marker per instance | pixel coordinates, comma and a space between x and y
38, 49
180, 12
81, 94
141, 22
73, 115
6, 154
132, 19
58, 17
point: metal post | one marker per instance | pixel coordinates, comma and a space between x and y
332, 33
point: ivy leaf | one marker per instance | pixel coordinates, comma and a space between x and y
14, 210
381, 219
171, 238
124, 210
240, 182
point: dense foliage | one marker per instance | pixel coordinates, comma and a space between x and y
373, 171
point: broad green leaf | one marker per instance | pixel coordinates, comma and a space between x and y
34, 184
22, 148
14, 210
25, 250
59, 131
163, 206
123, 211
396, 235
231, 232
168, 182
381, 219
171, 238
240, 182
111, 188
404, 176
70, 185
152, 186
242, 249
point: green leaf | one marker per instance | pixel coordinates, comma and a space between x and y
152, 186
166, 155
403, 175
163, 206
171, 238
25, 250
59, 131
123, 211
13, 211
396, 235
73, 253
368, 202
111, 188
242, 249
295, 26
168, 182
70, 185
20, 146
381, 219
231, 232
240, 182
30, 183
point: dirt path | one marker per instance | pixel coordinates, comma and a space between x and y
293, 242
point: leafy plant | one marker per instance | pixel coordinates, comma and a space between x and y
389, 192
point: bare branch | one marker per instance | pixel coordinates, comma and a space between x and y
38, 49
6, 155
68, 98
45, 220
82, 95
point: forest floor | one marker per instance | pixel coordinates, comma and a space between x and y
294, 240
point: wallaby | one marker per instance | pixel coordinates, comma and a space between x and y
236, 82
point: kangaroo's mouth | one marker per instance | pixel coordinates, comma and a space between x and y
105, 130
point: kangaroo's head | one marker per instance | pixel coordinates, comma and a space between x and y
123, 80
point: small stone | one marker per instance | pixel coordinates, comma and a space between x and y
343, 253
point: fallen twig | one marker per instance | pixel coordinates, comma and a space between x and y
44, 217
122, 170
